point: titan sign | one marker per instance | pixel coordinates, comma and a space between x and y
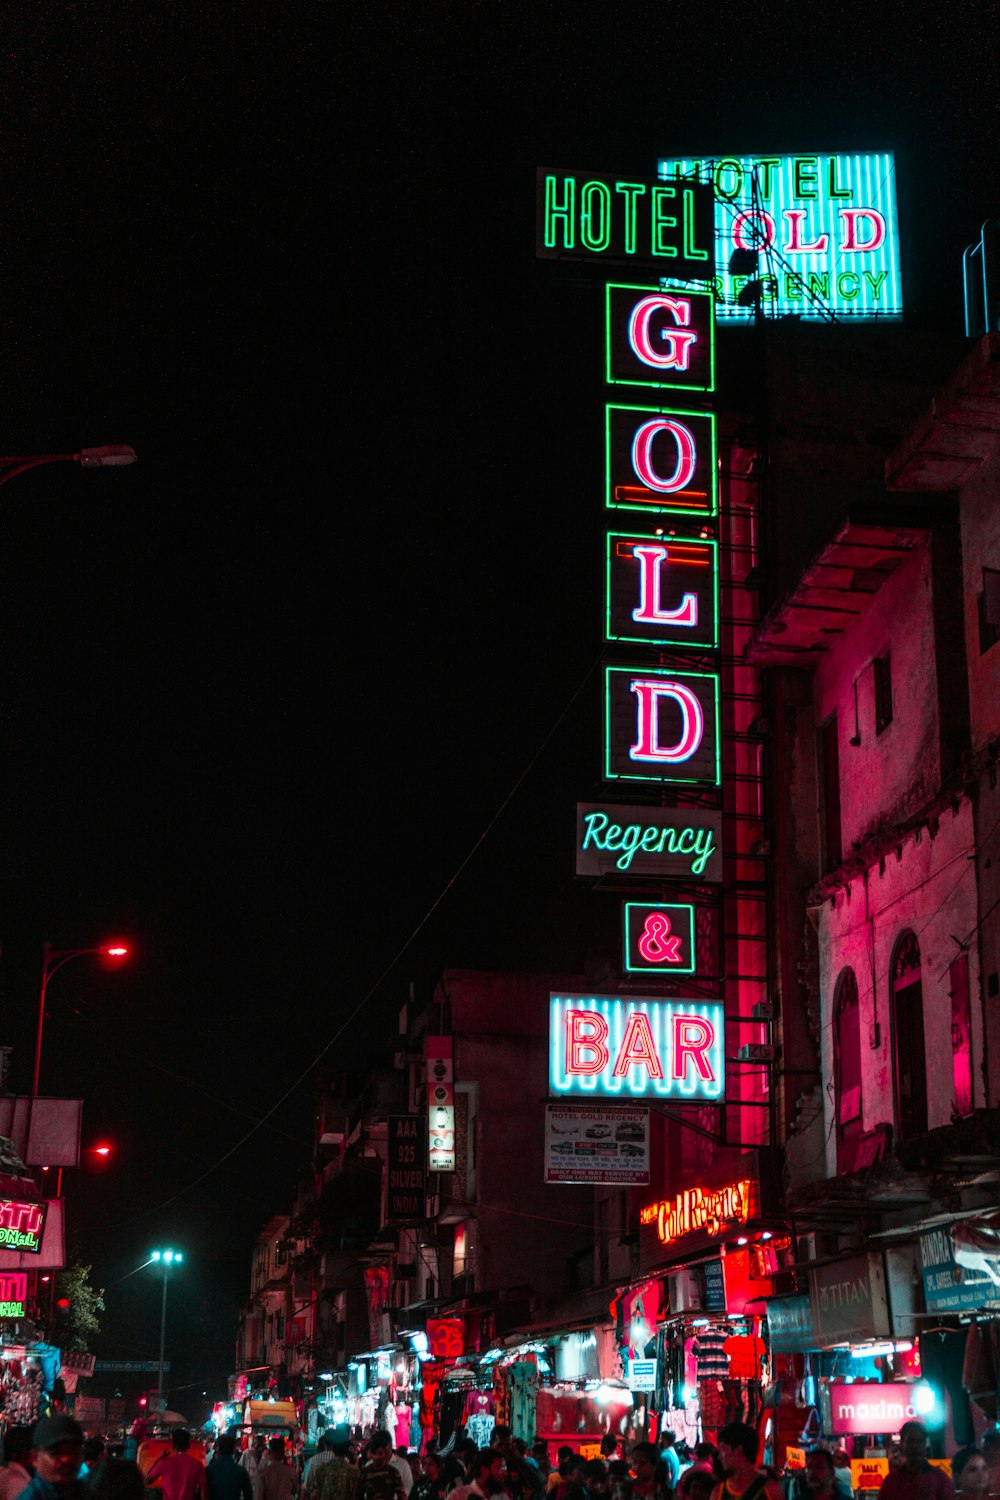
662, 591
583, 216
825, 226
605, 1047
661, 725
683, 843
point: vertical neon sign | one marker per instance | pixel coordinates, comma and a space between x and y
656, 337
661, 725
661, 460
662, 590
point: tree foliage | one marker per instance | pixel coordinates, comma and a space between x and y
79, 1324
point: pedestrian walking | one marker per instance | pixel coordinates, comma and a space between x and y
16, 1475
181, 1476
58, 1454
915, 1478
276, 1479
225, 1478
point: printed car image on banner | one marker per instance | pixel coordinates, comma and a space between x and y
658, 337
824, 227
604, 1046
658, 938
661, 725
668, 226
662, 591
661, 460
597, 1143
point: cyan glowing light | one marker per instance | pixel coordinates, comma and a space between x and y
825, 225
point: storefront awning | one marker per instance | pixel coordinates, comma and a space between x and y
976, 1244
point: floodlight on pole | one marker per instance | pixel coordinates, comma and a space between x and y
165, 1258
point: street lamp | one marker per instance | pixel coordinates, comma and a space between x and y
53, 960
165, 1258
111, 456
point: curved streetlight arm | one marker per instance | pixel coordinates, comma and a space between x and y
111, 455
53, 960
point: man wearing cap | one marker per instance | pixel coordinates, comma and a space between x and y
57, 1455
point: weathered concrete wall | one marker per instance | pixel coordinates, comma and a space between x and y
980, 511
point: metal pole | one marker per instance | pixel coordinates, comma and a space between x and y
161, 1395
46, 952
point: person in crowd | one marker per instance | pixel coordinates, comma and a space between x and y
488, 1476
571, 1486
991, 1453
380, 1478
915, 1479
820, 1474
619, 1477
93, 1456
57, 1453
16, 1476
276, 1480
596, 1479
704, 1463
646, 1483
339, 1478
540, 1458
401, 1461
323, 1455
181, 1476
971, 1474
255, 1455
609, 1447
670, 1465
224, 1477
116, 1479
701, 1486
843, 1481
738, 1458
432, 1483
555, 1477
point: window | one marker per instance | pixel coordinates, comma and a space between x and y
989, 610
847, 1068
961, 1035
829, 780
910, 1083
883, 693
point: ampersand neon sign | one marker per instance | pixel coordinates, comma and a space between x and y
657, 945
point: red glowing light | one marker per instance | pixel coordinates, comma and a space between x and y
102, 1150
115, 950
64, 1304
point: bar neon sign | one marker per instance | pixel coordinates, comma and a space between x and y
659, 459
662, 590
657, 337
708, 1210
610, 1048
22, 1225
661, 725
825, 224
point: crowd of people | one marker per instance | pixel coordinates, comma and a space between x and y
55, 1460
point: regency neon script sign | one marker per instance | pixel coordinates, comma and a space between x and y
708, 1210
22, 1225
682, 843
606, 1047
825, 227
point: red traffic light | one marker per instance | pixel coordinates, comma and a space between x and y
142, 1400
63, 1304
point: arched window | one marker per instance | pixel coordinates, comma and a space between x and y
847, 1068
907, 996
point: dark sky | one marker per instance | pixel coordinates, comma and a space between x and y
264, 692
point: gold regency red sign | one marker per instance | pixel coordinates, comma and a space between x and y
699, 1210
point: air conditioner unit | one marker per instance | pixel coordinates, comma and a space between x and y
685, 1290
763, 1011
756, 1052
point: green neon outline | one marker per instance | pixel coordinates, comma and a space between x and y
686, 906
610, 775
663, 640
659, 385
659, 508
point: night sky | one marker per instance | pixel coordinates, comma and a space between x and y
328, 651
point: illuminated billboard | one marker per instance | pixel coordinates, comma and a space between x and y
825, 225
658, 337
587, 216
660, 460
661, 725
605, 1047
22, 1225
662, 591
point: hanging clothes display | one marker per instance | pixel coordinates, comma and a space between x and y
710, 1352
522, 1382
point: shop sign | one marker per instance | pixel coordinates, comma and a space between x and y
658, 938
670, 843
597, 1144
608, 1047
642, 1374
795, 1458
22, 1225
588, 216
661, 725
868, 1473
661, 338
445, 1337
849, 1303
949, 1287
440, 1104
88, 1409
661, 460
661, 591
789, 1321
406, 1168
861, 1407
697, 1210
79, 1361
146, 1367
14, 1294
825, 226
715, 1286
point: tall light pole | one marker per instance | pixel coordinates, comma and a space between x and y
53, 960
165, 1258
111, 456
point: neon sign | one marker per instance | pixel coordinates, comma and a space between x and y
581, 215
22, 1225
708, 1210
13, 1294
658, 938
662, 590
658, 337
671, 843
606, 1047
825, 226
661, 725
661, 460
